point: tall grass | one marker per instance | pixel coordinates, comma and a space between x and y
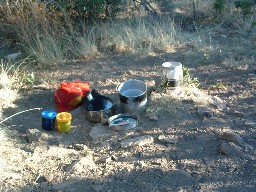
53, 37
141, 34
9, 77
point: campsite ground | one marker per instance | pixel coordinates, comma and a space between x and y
199, 153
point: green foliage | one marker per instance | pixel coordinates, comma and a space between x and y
245, 6
219, 5
219, 85
188, 80
86, 8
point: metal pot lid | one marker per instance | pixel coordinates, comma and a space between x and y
122, 122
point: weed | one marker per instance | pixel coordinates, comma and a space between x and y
9, 78
188, 80
219, 85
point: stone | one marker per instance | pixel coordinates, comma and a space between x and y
152, 116
13, 56
218, 102
49, 177
80, 147
250, 123
167, 139
82, 165
181, 177
230, 149
137, 141
235, 138
204, 111
99, 132
151, 86
140, 164
130, 72
34, 135
104, 159
114, 158
97, 188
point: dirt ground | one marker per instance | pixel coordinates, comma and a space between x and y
204, 153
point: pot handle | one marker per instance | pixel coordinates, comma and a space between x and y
117, 87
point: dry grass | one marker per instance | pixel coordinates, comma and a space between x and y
55, 38
171, 101
9, 77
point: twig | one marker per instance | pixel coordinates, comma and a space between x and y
18, 114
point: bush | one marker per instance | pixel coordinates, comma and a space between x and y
219, 5
90, 9
245, 6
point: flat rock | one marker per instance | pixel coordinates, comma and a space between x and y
34, 135
250, 123
218, 102
105, 159
231, 149
137, 141
181, 177
80, 147
100, 131
235, 138
82, 165
97, 188
53, 151
152, 116
167, 139
204, 111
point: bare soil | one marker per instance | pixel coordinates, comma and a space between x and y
194, 163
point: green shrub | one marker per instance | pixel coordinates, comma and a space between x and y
90, 9
245, 6
219, 5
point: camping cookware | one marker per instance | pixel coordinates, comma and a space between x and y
133, 96
98, 108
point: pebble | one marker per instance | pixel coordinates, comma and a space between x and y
167, 139
34, 135
235, 138
49, 177
137, 141
104, 159
114, 158
250, 123
80, 147
97, 188
85, 163
130, 72
230, 149
152, 116
219, 103
204, 111
99, 132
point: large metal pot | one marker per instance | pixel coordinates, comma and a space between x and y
133, 96
100, 116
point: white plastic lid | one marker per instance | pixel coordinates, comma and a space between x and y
172, 64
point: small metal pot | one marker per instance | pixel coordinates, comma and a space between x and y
101, 116
133, 96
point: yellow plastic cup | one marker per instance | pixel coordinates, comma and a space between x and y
63, 121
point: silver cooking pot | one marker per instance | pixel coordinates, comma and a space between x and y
101, 116
133, 96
